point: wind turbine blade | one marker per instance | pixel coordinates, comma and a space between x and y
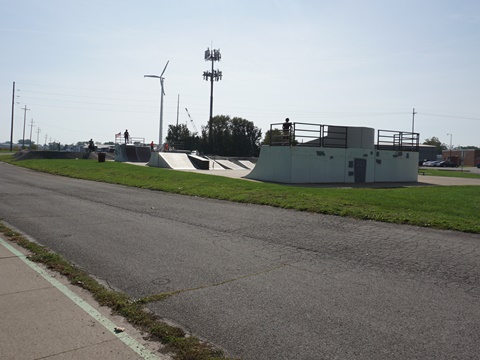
165, 68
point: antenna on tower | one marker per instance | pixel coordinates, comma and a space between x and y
213, 75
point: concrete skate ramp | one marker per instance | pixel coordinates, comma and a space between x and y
199, 162
176, 161
229, 165
131, 152
214, 165
120, 153
248, 164
143, 153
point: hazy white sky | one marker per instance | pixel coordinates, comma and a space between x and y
79, 65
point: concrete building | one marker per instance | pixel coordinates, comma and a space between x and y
313, 153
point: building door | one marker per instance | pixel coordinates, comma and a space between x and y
360, 170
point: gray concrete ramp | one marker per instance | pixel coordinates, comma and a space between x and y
157, 161
227, 164
120, 153
131, 152
143, 153
176, 161
247, 163
199, 162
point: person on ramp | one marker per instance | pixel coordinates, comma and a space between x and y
287, 127
126, 136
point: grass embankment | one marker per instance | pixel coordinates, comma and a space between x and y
442, 207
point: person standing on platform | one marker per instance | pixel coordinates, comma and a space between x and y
126, 136
287, 127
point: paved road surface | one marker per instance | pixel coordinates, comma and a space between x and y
263, 283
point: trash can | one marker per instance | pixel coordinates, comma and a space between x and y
101, 157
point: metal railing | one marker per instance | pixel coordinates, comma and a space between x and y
119, 139
397, 140
305, 134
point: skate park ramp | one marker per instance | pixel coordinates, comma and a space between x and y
248, 164
214, 165
143, 153
199, 162
131, 152
167, 160
120, 153
227, 164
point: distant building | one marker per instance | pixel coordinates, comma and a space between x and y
471, 157
427, 153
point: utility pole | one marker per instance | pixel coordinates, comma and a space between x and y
38, 133
13, 107
178, 104
450, 159
213, 75
45, 143
24, 123
413, 120
31, 127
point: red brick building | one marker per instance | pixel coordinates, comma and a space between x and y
471, 157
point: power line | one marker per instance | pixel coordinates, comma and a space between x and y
84, 96
452, 116
81, 102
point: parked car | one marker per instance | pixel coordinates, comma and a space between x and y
447, 164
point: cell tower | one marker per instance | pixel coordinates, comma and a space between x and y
213, 75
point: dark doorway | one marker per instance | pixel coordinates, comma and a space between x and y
360, 170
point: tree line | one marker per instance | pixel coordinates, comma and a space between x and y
435, 141
222, 135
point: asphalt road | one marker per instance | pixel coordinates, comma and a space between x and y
260, 282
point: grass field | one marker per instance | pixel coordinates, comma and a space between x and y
454, 208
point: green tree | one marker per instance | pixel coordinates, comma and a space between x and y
272, 136
180, 137
434, 141
245, 138
27, 142
218, 144
232, 137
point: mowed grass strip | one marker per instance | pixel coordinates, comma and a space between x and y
450, 173
453, 207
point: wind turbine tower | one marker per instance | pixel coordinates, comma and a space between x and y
162, 93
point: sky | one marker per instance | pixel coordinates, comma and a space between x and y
79, 66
